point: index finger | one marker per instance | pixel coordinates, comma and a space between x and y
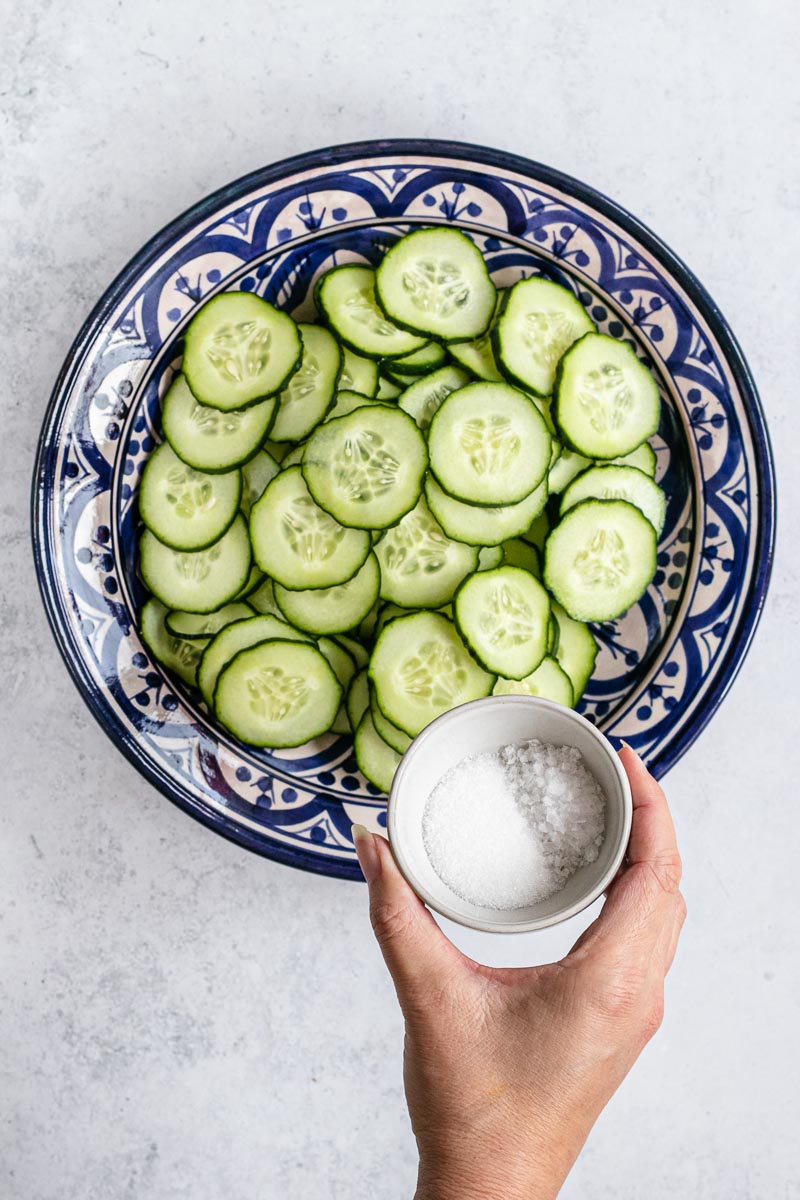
652, 840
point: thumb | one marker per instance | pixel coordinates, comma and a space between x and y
417, 953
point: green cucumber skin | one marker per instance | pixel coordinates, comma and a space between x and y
563, 437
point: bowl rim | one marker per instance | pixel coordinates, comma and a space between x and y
435, 729
331, 156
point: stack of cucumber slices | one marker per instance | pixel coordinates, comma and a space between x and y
356, 525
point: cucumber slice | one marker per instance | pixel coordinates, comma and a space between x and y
503, 617
489, 557
539, 320
277, 694
618, 483
420, 668
481, 525
294, 458
357, 701
359, 655
309, 393
388, 732
298, 544
488, 444
606, 400
478, 356
366, 469
377, 762
643, 458
335, 609
233, 638
184, 508
366, 629
179, 655
420, 362
276, 450
239, 349
263, 599
358, 374
199, 581
253, 582
435, 282
345, 403
566, 468
536, 534
400, 379
341, 722
576, 652
345, 298
210, 440
387, 390
548, 681
517, 553
424, 397
599, 559
338, 660
256, 474
388, 613
205, 625
420, 566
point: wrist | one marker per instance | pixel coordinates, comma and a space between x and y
492, 1175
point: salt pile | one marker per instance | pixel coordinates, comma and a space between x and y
509, 827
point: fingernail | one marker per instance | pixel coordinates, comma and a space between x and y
616, 742
367, 852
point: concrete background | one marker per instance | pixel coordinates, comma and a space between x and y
177, 1018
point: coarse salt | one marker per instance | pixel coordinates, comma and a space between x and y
508, 828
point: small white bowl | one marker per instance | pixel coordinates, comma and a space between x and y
485, 725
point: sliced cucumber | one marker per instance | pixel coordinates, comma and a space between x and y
341, 722
198, 581
205, 625
186, 509
539, 320
548, 681
503, 617
252, 583
298, 544
276, 450
208, 439
239, 349
309, 393
400, 379
517, 553
294, 458
481, 525
424, 397
488, 444
358, 374
606, 400
576, 652
435, 282
420, 362
387, 390
599, 559
256, 474
359, 655
357, 701
345, 403
263, 599
420, 566
643, 458
338, 659
618, 483
277, 694
566, 468
366, 469
420, 668
346, 300
233, 638
366, 629
376, 760
478, 356
177, 654
390, 734
388, 613
335, 609
536, 534
489, 557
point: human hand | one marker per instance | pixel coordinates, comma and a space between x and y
506, 1070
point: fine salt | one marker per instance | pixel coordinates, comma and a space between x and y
508, 828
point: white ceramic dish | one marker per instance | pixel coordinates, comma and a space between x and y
485, 725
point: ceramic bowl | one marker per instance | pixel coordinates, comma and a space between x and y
486, 725
662, 669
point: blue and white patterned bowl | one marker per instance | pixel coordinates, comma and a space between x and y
662, 669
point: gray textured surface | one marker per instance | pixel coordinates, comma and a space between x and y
178, 1019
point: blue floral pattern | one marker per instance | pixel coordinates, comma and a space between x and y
661, 669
